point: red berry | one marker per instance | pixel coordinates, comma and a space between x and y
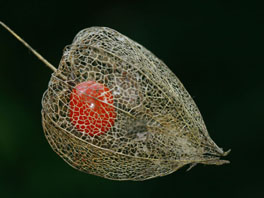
91, 108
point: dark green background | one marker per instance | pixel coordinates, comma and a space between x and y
214, 47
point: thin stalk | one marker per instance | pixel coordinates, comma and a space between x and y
41, 58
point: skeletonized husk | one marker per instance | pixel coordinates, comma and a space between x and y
157, 129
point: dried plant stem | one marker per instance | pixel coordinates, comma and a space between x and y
29, 47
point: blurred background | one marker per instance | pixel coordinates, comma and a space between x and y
214, 47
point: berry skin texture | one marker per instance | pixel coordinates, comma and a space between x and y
91, 108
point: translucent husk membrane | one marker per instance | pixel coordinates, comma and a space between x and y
157, 129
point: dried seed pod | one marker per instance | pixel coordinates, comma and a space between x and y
113, 109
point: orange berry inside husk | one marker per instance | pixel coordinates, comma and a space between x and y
91, 108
